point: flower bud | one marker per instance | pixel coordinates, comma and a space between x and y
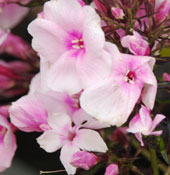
117, 13
112, 169
83, 159
136, 44
166, 77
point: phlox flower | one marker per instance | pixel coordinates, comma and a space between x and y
113, 99
70, 41
136, 44
7, 143
70, 139
142, 124
11, 14
30, 112
162, 8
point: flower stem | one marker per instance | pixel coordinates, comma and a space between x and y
154, 162
50, 172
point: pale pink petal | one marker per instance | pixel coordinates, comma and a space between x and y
98, 67
145, 117
126, 40
156, 133
35, 84
50, 141
48, 39
66, 14
93, 36
136, 125
114, 51
63, 75
157, 120
7, 146
28, 113
11, 15
66, 156
139, 137
108, 102
149, 93
80, 117
58, 121
90, 140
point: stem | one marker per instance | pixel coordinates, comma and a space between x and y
146, 154
136, 170
168, 171
50, 172
154, 162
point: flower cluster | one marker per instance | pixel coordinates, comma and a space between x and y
96, 71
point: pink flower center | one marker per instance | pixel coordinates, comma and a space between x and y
130, 77
78, 44
71, 136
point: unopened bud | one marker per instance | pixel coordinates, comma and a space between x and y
117, 13
83, 159
112, 169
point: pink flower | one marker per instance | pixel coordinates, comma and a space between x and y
11, 15
142, 124
71, 45
7, 143
166, 77
16, 46
162, 8
112, 169
136, 44
117, 13
84, 159
113, 99
69, 139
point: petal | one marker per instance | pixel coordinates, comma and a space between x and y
110, 103
50, 141
66, 156
58, 121
48, 39
114, 51
90, 140
156, 133
139, 137
146, 75
63, 76
66, 14
7, 146
80, 117
93, 34
157, 120
136, 125
145, 117
11, 15
35, 84
28, 113
98, 67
